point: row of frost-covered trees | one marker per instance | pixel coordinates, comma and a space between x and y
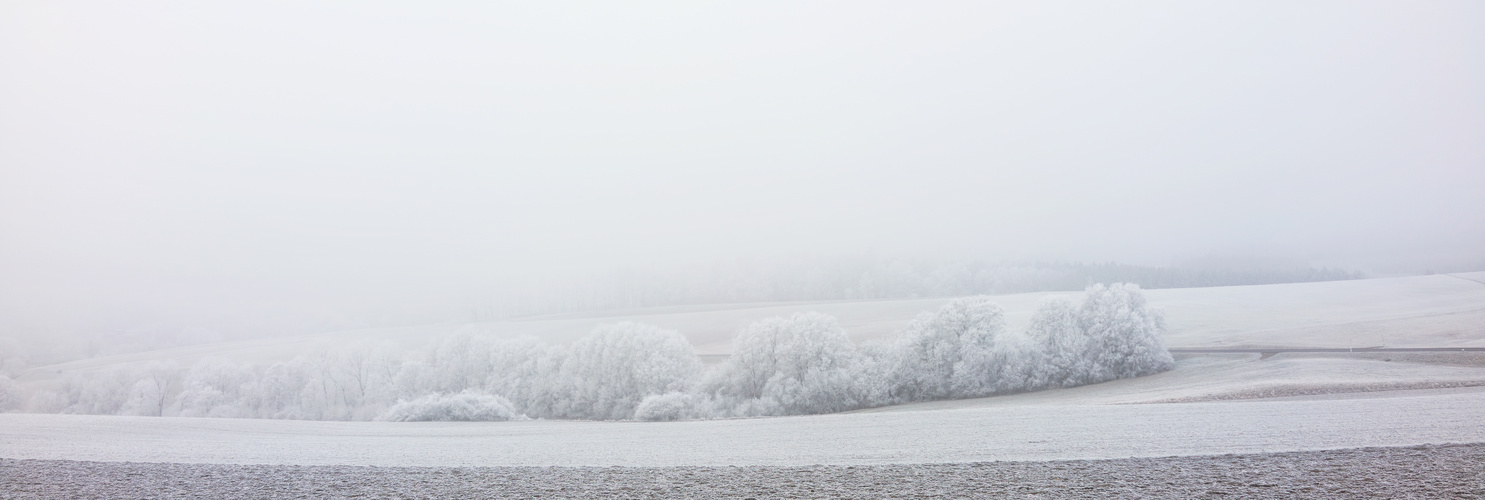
802, 364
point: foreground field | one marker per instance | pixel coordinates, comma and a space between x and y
967, 434
1302, 424
1412, 472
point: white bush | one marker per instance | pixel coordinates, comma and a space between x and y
525, 370
465, 406
796, 365
1061, 346
950, 353
278, 392
213, 388
607, 373
98, 393
800, 364
1124, 334
666, 407
151, 394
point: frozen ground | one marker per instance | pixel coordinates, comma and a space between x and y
927, 435
1295, 419
1216, 377
1413, 472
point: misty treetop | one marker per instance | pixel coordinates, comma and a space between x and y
801, 364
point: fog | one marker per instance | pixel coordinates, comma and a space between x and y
187, 164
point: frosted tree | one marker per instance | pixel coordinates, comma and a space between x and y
461, 361
796, 365
800, 364
324, 393
362, 377
607, 373
465, 406
152, 392
871, 378
526, 371
98, 393
950, 353
278, 392
213, 388
1124, 333
1063, 349
669, 406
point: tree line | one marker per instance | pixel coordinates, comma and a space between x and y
799, 364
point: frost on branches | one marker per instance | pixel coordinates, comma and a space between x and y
801, 364
468, 405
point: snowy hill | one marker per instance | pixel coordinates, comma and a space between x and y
1208, 404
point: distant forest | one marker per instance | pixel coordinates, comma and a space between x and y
862, 278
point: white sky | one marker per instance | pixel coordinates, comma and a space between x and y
168, 156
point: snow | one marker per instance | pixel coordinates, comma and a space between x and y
1213, 377
1418, 311
1209, 404
802, 364
1027, 432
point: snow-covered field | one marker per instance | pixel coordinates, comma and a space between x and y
1031, 432
1209, 404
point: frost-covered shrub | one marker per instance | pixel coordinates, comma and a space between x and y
786, 366
278, 392
800, 364
213, 388
964, 349
871, 378
525, 371
150, 395
465, 406
1124, 333
98, 393
666, 407
461, 361
604, 375
1061, 346
348, 382
950, 353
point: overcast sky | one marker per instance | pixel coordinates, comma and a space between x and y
226, 154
